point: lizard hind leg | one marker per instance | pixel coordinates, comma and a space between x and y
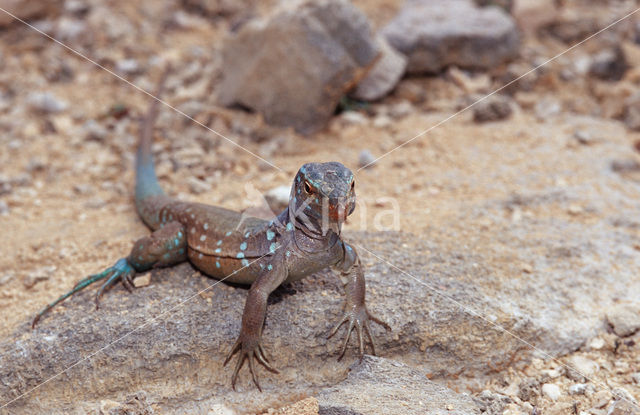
166, 246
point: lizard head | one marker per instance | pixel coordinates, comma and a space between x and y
322, 196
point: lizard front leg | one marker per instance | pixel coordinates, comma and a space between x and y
255, 311
355, 312
166, 246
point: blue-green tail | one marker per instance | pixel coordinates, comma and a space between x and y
150, 197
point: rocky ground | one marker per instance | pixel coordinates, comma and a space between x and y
519, 214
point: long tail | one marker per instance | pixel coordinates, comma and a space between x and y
150, 197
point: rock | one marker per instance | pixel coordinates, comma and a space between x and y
378, 386
578, 389
142, 280
216, 8
366, 159
623, 407
632, 112
38, 275
198, 186
94, 130
278, 198
462, 34
493, 108
636, 378
322, 48
582, 367
354, 117
5, 278
531, 15
609, 64
4, 208
27, 9
546, 108
602, 398
128, 66
624, 319
551, 391
46, 102
572, 28
383, 76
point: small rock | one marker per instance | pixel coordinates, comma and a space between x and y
5, 278
94, 130
366, 159
278, 198
128, 66
623, 407
551, 391
632, 112
96, 203
601, 398
71, 29
401, 109
624, 319
322, 48
575, 209
493, 108
354, 117
578, 389
534, 14
382, 121
27, 10
596, 343
46, 102
142, 280
583, 137
37, 275
462, 34
636, 378
583, 366
609, 65
479, 82
4, 208
547, 108
384, 75
198, 186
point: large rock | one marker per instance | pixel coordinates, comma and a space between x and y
384, 75
295, 66
434, 35
377, 386
28, 9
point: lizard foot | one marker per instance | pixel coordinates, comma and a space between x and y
248, 347
358, 317
121, 270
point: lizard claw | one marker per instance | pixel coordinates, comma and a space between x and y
122, 269
358, 317
249, 348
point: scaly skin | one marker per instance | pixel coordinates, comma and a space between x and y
303, 239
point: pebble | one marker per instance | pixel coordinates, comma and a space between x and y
624, 319
382, 121
198, 186
37, 275
94, 131
546, 108
278, 197
142, 280
578, 389
609, 65
354, 117
366, 158
493, 108
5, 278
400, 109
96, 203
585, 367
46, 102
551, 391
128, 66
4, 208
636, 378
601, 398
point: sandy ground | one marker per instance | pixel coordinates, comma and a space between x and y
70, 210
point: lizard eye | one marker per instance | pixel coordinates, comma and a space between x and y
307, 187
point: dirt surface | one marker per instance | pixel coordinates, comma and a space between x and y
67, 176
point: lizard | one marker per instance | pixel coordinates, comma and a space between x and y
303, 239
